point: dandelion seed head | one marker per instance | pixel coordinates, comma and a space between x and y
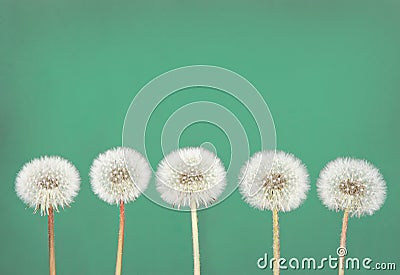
191, 173
351, 184
274, 180
119, 175
47, 182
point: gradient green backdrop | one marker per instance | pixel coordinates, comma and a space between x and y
329, 71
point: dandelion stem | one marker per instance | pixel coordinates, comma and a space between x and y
118, 266
52, 257
343, 241
195, 235
276, 241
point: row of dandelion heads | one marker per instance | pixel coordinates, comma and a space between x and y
194, 177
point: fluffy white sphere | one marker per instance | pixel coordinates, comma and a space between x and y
274, 180
47, 182
352, 184
188, 174
119, 175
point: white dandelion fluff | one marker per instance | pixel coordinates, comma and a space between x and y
119, 175
47, 182
351, 184
274, 180
190, 174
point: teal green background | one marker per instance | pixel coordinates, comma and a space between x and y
329, 71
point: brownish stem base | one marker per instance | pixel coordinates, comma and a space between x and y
277, 253
343, 240
52, 257
118, 265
